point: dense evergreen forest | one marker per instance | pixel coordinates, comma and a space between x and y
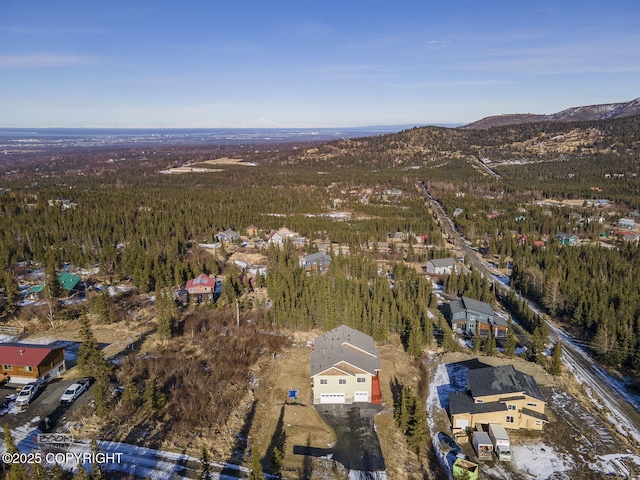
355, 292
594, 291
142, 225
135, 223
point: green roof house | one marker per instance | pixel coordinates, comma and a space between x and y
70, 283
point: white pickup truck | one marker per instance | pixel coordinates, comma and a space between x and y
75, 390
26, 394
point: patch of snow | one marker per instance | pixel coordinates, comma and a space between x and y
360, 475
614, 464
541, 461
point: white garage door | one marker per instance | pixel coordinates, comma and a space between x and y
461, 423
332, 398
361, 396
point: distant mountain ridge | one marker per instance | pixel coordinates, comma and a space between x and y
589, 112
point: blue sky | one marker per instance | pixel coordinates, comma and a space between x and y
326, 63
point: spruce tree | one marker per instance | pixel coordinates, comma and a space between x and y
96, 471
511, 341
477, 339
556, 359
89, 355
12, 292
16, 471
205, 472
130, 395
256, 472
489, 345
419, 432
81, 473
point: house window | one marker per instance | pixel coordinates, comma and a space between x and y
510, 419
532, 404
511, 406
323, 381
8, 367
28, 369
342, 381
538, 422
362, 379
479, 400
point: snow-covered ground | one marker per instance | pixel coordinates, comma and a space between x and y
121, 457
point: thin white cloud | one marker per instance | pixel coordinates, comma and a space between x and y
43, 61
449, 84
437, 43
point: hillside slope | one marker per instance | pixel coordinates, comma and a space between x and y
589, 112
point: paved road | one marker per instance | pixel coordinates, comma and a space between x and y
623, 405
357, 446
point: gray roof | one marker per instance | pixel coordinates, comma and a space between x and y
317, 257
502, 380
482, 438
477, 305
442, 262
566, 236
467, 303
344, 344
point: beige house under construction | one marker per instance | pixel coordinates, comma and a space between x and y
498, 395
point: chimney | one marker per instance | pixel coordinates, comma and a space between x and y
21, 351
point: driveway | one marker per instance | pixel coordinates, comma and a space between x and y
46, 404
357, 446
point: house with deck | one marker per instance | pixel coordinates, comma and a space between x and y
498, 395
345, 367
22, 363
316, 262
227, 236
203, 288
468, 315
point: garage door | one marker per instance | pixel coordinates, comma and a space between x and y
332, 398
361, 396
461, 423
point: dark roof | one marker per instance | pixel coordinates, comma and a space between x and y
24, 354
344, 344
500, 381
534, 414
462, 402
512, 399
566, 236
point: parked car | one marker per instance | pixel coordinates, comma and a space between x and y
75, 390
448, 443
26, 394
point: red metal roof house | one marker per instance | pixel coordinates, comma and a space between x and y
25, 362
